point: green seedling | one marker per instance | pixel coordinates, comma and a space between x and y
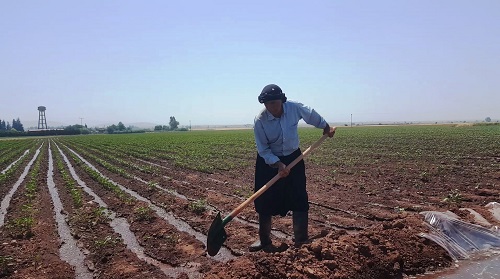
144, 213
198, 207
454, 197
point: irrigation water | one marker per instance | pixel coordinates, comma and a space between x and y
69, 251
122, 227
6, 200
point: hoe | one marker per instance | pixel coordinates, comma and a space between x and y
217, 235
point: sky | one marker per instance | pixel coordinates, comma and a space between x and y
205, 62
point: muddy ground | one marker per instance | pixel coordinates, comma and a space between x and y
365, 225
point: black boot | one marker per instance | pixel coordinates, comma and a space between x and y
300, 223
264, 234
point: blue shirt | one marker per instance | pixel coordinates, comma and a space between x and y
279, 136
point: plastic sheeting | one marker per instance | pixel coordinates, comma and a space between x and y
460, 239
494, 208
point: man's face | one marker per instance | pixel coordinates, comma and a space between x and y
274, 107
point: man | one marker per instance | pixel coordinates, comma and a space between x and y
277, 139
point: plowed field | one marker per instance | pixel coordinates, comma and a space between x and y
140, 205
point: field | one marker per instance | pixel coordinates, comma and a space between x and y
140, 205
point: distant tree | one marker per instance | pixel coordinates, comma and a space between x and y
16, 124
173, 123
8, 127
3, 127
487, 119
111, 129
121, 127
76, 129
158, 127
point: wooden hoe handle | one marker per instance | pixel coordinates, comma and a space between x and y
264, 188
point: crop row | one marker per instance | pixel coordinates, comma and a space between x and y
151, 181
395, 152
164, 191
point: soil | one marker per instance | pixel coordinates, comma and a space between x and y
361, 226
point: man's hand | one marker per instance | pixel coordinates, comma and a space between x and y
330, 131
282, 170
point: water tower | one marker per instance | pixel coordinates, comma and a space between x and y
42, 122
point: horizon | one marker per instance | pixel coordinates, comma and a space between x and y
95, 63
145, 125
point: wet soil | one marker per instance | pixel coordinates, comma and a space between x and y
29, 238
364, 221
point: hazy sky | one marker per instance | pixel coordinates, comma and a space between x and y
207, 61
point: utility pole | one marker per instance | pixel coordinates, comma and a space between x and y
351, 120
81, 121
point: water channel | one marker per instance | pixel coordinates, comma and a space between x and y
6, 200
122, 227
69, 251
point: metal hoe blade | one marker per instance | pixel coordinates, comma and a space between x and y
216, 236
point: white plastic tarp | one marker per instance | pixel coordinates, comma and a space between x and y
460, 239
